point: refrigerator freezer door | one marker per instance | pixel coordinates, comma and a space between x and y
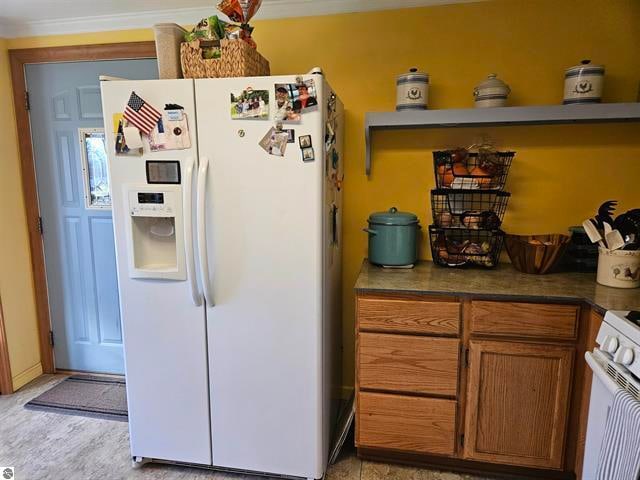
264, 237
164, 332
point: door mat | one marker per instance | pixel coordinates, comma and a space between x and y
86, 396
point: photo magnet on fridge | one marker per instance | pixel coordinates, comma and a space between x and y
284, 104
292, 135
304, 97
250, 103
275, 142
308, 155
305, 141
329, 135
293, 99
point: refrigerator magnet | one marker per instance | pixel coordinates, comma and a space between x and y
132, 137
174, 112
250, 103
306, 96
329, 135
171, 132
141, 114
274, 142
293, 99
121, 146
305, 141
284, 103
335, 159
292, 135
308, 155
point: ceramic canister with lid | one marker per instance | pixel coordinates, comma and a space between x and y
491, 92
583, 83
412, 90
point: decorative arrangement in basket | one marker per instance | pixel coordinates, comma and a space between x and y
217, 49
468, 205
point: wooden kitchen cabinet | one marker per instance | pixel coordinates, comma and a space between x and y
518, 398
478, 383
408, 314
408, 424
411, 364
509, 319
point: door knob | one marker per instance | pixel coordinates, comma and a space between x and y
610, 344
624, 356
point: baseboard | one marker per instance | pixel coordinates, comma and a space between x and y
62, 371
24, 377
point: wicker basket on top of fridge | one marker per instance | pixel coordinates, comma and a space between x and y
216, 48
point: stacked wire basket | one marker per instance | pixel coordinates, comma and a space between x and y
468, 206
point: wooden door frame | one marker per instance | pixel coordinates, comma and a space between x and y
19, 58
6, 382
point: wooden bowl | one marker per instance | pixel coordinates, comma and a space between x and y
536, 253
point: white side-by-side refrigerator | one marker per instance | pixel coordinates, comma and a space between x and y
229, 267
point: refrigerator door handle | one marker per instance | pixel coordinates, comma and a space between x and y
187, 211
202, 230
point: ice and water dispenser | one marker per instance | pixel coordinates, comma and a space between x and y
155, 233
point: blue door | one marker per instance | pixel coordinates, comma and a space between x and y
75, 205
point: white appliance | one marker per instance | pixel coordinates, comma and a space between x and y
616, 365
229, 276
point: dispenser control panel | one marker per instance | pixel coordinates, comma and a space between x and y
152, 204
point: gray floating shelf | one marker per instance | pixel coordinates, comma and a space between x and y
504, 116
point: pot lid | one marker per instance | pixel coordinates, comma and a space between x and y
393, 217
585, 67
493, 81
413, 76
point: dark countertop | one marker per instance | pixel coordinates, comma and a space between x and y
503, 282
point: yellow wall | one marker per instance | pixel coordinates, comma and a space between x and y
16, 282
560, 174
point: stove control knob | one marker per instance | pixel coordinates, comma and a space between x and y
610, 344
624, 356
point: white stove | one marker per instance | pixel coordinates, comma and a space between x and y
619, 342
616, 365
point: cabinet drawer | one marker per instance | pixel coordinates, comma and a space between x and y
525, 319
409, 314
404, 363
410, 424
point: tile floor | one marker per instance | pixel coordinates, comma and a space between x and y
60, 447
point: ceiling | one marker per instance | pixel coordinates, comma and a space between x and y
22, 18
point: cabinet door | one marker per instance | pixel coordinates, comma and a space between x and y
518, 402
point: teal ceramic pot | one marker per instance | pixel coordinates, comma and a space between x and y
393, 238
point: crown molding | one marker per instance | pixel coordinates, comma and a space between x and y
189, 16
6, 29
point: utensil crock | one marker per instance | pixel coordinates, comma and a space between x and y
619, 268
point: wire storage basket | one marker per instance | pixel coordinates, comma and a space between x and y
464, 247
470, 209
471, 171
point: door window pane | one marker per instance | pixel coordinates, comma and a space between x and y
97, 192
